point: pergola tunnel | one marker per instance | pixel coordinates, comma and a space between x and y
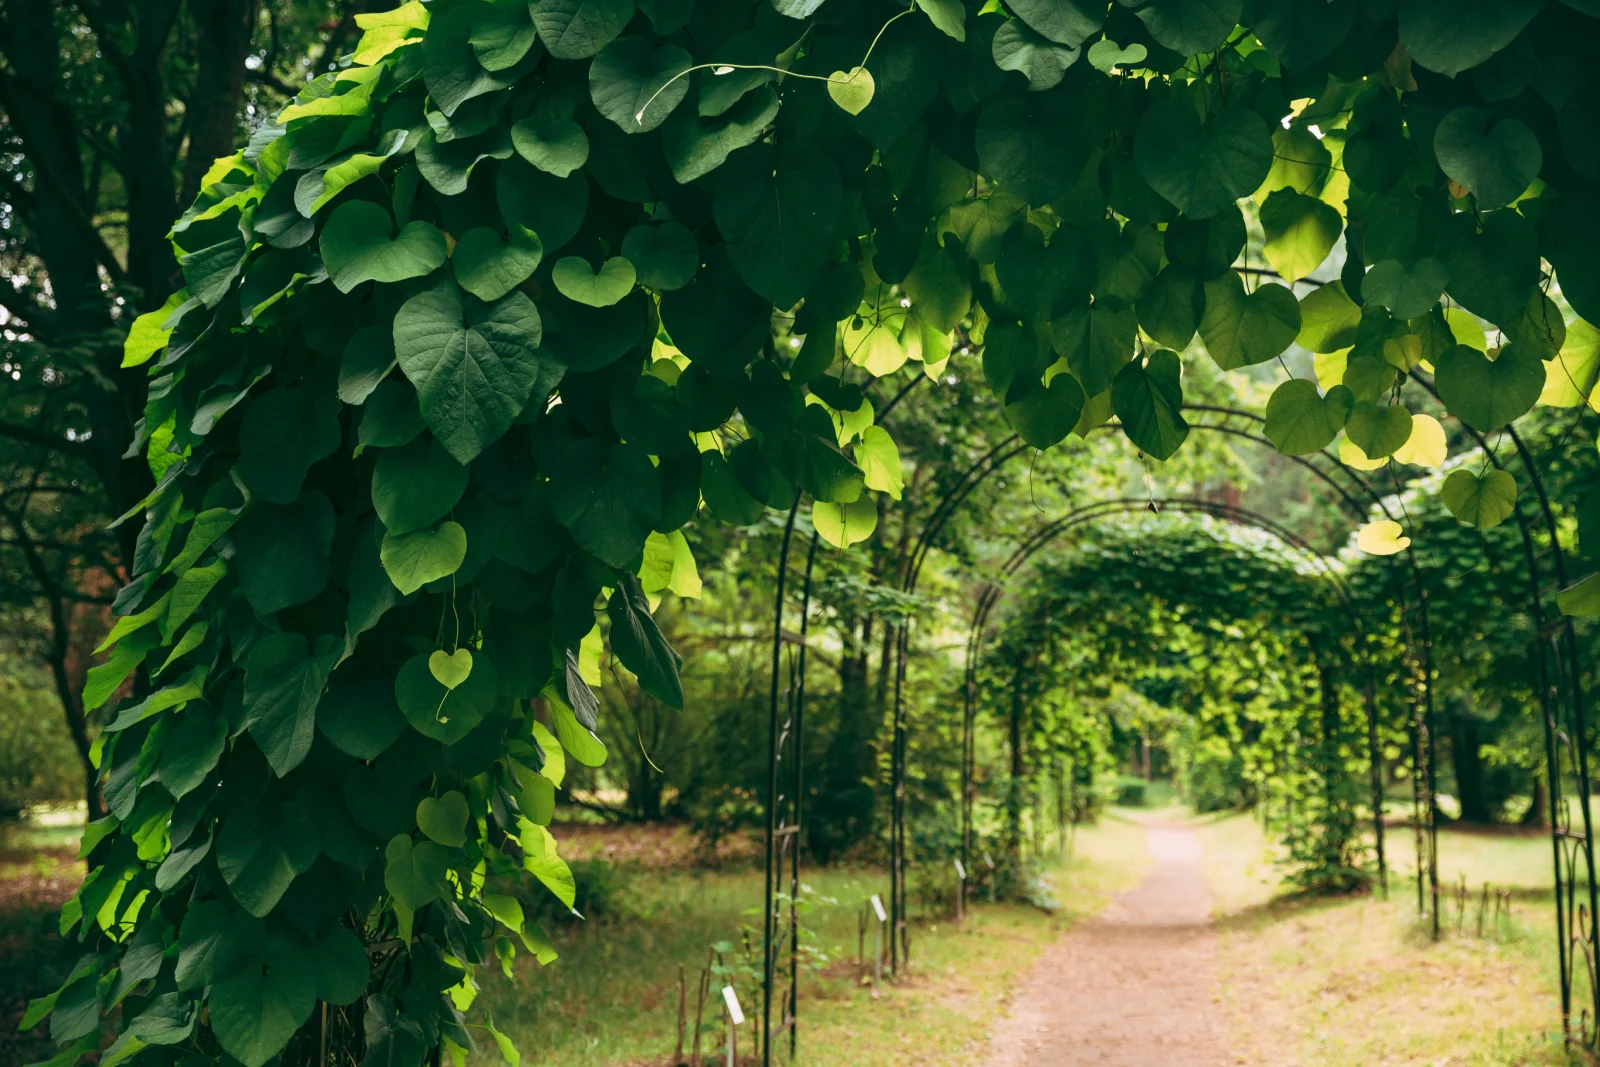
1120, 588
519, 488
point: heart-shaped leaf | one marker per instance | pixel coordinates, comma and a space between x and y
357, 247
1044, 415
1044, 62
1384, 537
842, 525
413, 560
1426, 447
578, 281
474, 365
1406, 293
446, 715
555, 144
1202, 168
577, 29
1147, 396
414, 871
1301, 421
1487, 394
1300, 231
1242, 329
488, 267
450, 669
444, 819
1107, 55
1484, 501
1379, 431
664, 256
852, 90
1495, 162
636, 85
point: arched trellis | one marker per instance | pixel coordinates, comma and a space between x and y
1559, 673
1053, 530
1350, 489
1562, 709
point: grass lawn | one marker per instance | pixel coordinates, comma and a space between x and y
612, 998
1358, 981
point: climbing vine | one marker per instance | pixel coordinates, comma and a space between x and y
474, 326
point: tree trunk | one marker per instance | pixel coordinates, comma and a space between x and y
1467, 762
1538, 813
224, 29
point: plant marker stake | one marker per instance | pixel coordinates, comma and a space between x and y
735, 1017
877, 963
961, 890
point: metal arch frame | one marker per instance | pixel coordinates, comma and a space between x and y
785, 738
1566, 731
1422, 719
1054, 529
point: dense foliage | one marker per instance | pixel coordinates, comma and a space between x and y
472, 328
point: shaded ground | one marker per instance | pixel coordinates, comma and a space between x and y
33, 956
1131, 988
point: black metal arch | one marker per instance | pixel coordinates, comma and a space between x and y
1247, 426
1053, 530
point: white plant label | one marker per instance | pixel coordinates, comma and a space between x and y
735, 1012
877, 906
961, 872
989, 860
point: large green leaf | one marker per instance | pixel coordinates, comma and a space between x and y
261, 850
1147, 396
1484, 501
1097, 342
1035, 146
578, 29
599, 494
489, 267
1188, 27
1452, 37
1042, 61
358, 246
1379, 432
283, 433
1068, 22
414, 559
282, 551
284, 678
1044, 415
446, 715
636, 84
413, 872
777, 209
1407, 293
1495, 162
1242, 329
640, 645
1202, 169
1300, 231
257, 1010
1301, 420
474, 365
416, 486
1487, 394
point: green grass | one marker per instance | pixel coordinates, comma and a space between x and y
613, 996
1355, 981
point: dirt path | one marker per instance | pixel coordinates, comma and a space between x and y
1131, 988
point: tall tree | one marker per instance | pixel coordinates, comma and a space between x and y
111, 112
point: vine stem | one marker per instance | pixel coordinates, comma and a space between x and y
727, 68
